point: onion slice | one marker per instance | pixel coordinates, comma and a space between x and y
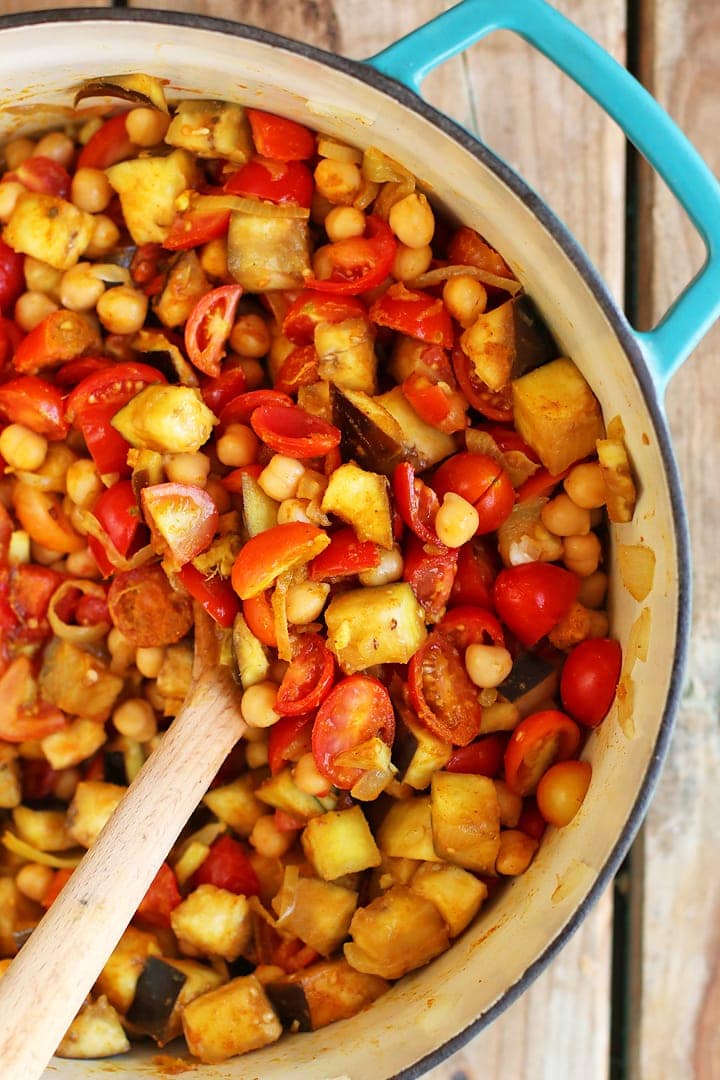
32, 854
443, 273
78, 635
210, 204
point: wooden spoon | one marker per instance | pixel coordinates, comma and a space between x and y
56, 968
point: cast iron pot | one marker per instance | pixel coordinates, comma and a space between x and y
43, 56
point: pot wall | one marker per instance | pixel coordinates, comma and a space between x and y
436, 1003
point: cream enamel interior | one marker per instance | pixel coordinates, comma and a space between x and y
39, 64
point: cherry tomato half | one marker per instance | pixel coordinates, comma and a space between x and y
182, 517
227, 866
215, 594
359, 263
19, 721
415, 313
308, 679
279, 138
344, 556
293, 431
218, 392
467, 248
300, 368
483, 482
43, 175
112, 385
62, 335
441, 693
437, 404
477, 567
417, 504
288, 740
209, 326
562, 790
483, 757
531, 599
495, 404
469, 625
279, 182
536, 743
258, 614
161, 899
110, 144
430, 573
357, 709
273, 552
36, 403
240, 408
117, 511
12, 278
589, 679
312, 307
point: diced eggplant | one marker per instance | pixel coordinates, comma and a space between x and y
347, 354
396, 933
416, 751
508, 341
282, 793
465, 816
114, 767
157, 990
230, 1020
186, 283
340, 842
49, 229
212, 922
118, 979
380, 625
74, 743
406, 831
92, 805
169, 419
78, 682
361, 498
532, 680
456, 893
423, 444
212, 129
237, 804
175, 675
317, 912
268, 253
370, 434
148, 188
323, 993
557, 414
96, 1032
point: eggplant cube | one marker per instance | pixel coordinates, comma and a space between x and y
340, 842
157, 990
506, 342
380, 625
233, 1019
235, 804
456, 893
282, 793
369, 433
212, 129
317, 912
347, 354
465, 815
212, 922
417, 751
78, 682
361, 498
323, 993
406, 831
396, 933
49, 229
532, 681
148, 188
268, 253
96, 1032
119, 978
91, 807
424, 444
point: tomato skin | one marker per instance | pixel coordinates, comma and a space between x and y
279, 138
279, 182
209, 326
430, 572
536, 743
468, 248
359, 263
540, 483
73, 373
531, 820
415, 313
110, 144
293, 431
214, 594
30, 590
308, 679
12, 278
117, 511
37, 404
589, 679
43, 175
483, 757
495, 404
196, 227
442, 408
240, 408
10, 337
441, 693
228, 867
562, 790
312, 307
531, 599
288, 740
477, 568
258, 614
161, 899
182, 517
107, 447
113, 384
417, 504
300, 368
471, 625
480, 480
344, 556
62, 335
356, 709
267, 555
218, 392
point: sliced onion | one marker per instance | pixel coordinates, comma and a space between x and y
211, 204
381, 168
32, 854
78, 635
112, 273
51, 474
442, 273
93, 528
328, 147
138, 88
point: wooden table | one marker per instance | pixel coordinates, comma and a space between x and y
636, 993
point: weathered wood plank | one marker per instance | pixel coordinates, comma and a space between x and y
678, 966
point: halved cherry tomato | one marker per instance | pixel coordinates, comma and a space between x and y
31, 589
360, 262
540, 483
241, 408
215, 594
161, 899
277, 181
531, 820
218, 392
107, 447
43, 175
62, 335
495, 404
293, 431
279, 138
415, 313
430, 573
300, 368
469, 625
23, 718
562, 790
589, 679
483, 482
12, 278
531, 599
147, 609
417, 504
227, 866
441, 693
232, 481
273, 552
344, 556
535, 744
508, 439
288, 740
467, 248
182, 518
196, 227
73, 373
436, 403
10, 337
308, 679
112, 385
477, 567
312, 307
209, 326
37, 404
260, 618
110, 144
483, 757
117, 511
357, 709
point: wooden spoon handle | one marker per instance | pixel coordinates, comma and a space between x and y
49, 979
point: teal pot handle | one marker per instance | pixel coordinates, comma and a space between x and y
644, 122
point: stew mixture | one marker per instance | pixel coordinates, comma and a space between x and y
249, 367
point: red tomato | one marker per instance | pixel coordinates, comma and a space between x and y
415, 313
531, 820
232, 481
117, 511
218, 392
531, 599
477, 567
430, 573
483, 482
469, 625
417, 504
20, 721
12, 278
495, 404
273, 552
62, 335
196, 227
183, 519
357, 709
214, 594
259, 616
228, 867
300, 368
359, 263
562, 790
312, 307
240, 408
467, 248
484, 757
589, 679
106, 445
59, 880
31, 589
161, 899
308, 679
92, 610
292, 431
344, 556
276, 181
10, 336
436, 404
147, 268
441, 693
38, 778
112, 385
535, 744
43, 175
34, 402
278, 138
110, 144
75, 371
539, 484
288, 740
508, 439
209, 326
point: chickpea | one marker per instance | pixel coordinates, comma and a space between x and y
411, 262
149, 660
146, 127
268, 840
582, 554
22, 448
487, 665
308, 777
465, 298
257, 705
104, 237
33, 880
293, 510
237, 446
585, 485
91, 190
593, 589
564, 517
58, 146
83, 483
213, 258
82, 564
31, 308
256, 753
516, 852
412, 220
122, 310
305, 600
80, 288
219, 494
10, 192
599, 624
41, 277
250, 336
122, 651
338, 181
253, 371
135, 718
389, 569
456, 521
41, 554
281, 476
190, 468
17, 151
344, 222
65, 784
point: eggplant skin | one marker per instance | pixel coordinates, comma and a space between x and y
323, 993
158, 988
